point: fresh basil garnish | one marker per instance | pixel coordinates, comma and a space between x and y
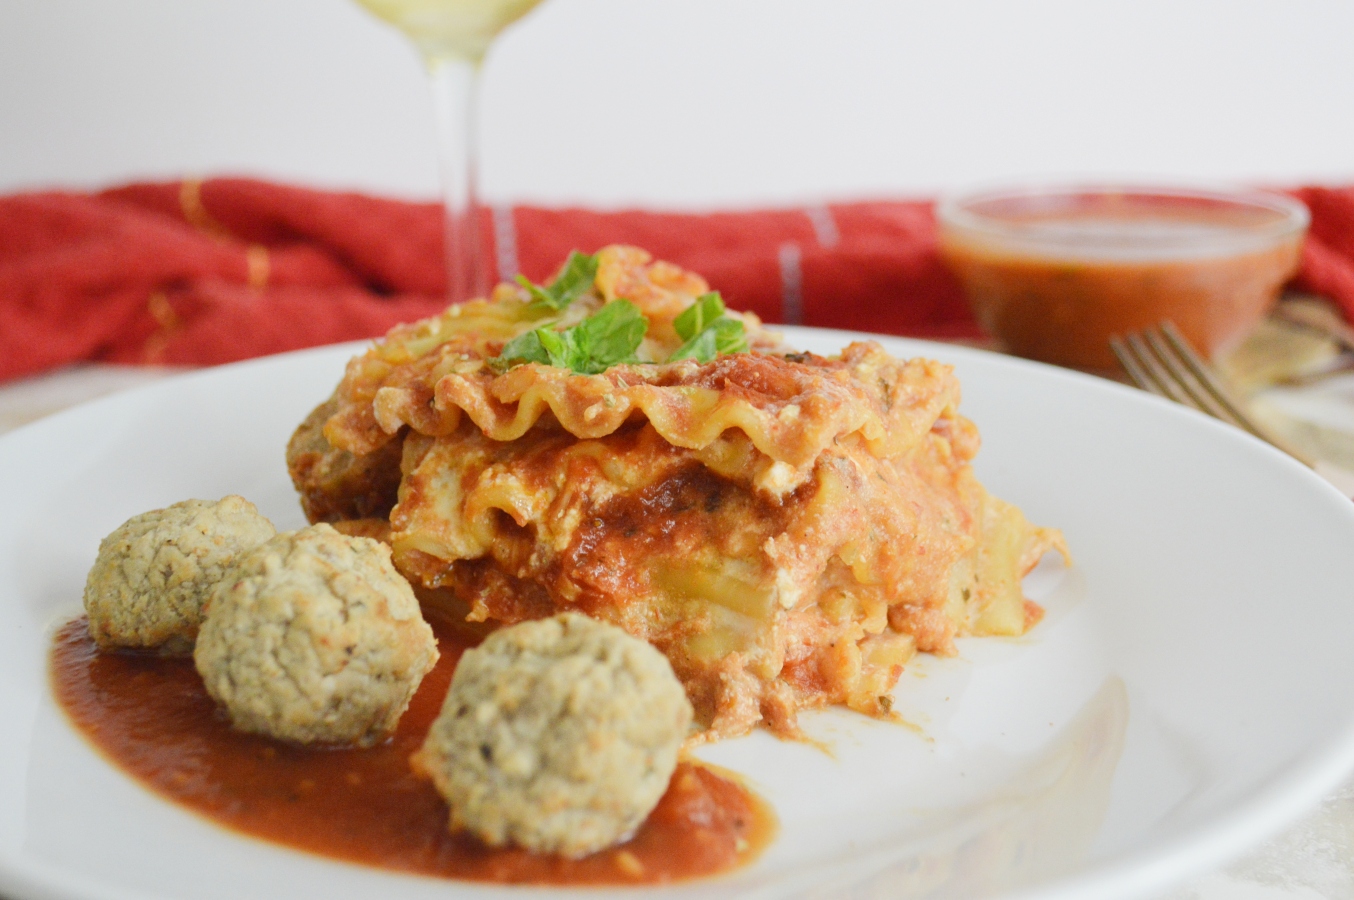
604, 339
575, 280
708, 331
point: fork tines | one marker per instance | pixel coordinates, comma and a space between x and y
1161, 361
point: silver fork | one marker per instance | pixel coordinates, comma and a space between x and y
1161, 361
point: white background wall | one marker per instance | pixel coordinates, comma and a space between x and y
688, 103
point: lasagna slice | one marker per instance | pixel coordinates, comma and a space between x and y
789, 529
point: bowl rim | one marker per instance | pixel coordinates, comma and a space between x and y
954, 211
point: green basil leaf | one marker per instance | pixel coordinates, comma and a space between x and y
606, 338
708, 331
609, 336
574, 280
701, 348
558, 345
538, 296
698, 316
730, 336
522, 349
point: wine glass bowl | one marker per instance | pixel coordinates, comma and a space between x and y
459, 28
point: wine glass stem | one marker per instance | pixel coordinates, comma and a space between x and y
455, 88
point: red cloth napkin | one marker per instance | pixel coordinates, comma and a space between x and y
195, 273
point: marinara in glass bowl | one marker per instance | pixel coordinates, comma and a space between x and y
1054, 272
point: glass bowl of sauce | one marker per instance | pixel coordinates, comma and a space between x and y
1053, 273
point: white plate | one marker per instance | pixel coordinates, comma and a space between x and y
1190, 691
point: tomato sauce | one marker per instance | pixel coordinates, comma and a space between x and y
1094, 266
153, 719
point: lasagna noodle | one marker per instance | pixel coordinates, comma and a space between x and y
765, 603
412, 359
787, 528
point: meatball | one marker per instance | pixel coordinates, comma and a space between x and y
558, 735
314, 637
154, 573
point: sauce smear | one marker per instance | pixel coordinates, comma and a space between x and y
154, 720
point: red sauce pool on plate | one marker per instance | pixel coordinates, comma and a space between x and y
153, 719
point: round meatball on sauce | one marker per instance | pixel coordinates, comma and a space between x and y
314, 637
154, 573
558, 735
